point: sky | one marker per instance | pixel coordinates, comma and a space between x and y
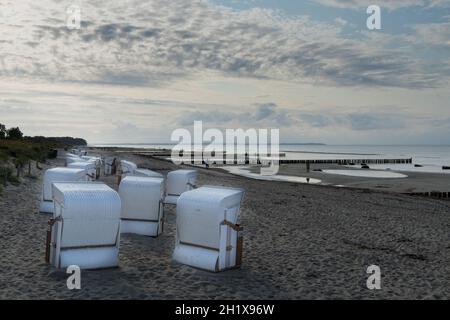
137, 70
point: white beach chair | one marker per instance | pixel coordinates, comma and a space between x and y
57, 175
98, 161
89, 167
142, 205
208, 236
85, 229
179, 181
128, 168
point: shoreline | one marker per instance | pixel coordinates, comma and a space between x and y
301, 242
426, 184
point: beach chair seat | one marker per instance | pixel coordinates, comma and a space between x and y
179, 181
142, 205
85, 229
207, 234
89, 167
57, 175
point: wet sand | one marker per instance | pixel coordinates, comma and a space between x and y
301, 242
414, 182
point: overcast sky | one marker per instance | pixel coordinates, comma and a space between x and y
136, 70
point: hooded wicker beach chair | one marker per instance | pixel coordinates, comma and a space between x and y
57, 175
128, 168
85, 229
98, 161
208, 236
142, 205
179, 181
89, 167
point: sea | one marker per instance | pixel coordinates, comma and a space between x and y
426, 158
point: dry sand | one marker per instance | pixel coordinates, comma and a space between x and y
301, 242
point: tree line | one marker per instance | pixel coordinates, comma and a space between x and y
18, 152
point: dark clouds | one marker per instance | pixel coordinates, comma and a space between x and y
270, 115
267, 114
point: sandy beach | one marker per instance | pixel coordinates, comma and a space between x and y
301, 242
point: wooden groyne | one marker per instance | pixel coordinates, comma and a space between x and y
348, 161
245, 160
197, 157
431, 194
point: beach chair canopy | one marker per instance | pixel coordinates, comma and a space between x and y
97, 160
82, 165
180, 181
87, 229
89, 167
60, 175
128, 167
204, 219
201, 211
142, 210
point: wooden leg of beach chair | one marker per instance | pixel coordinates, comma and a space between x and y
239, 249
161, 208
47, 246
48, 240
223, 247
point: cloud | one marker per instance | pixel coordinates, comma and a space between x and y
265, 111
271, 115
390, 4
153, 42
357, 121
259, 115
436, 35
375, 121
